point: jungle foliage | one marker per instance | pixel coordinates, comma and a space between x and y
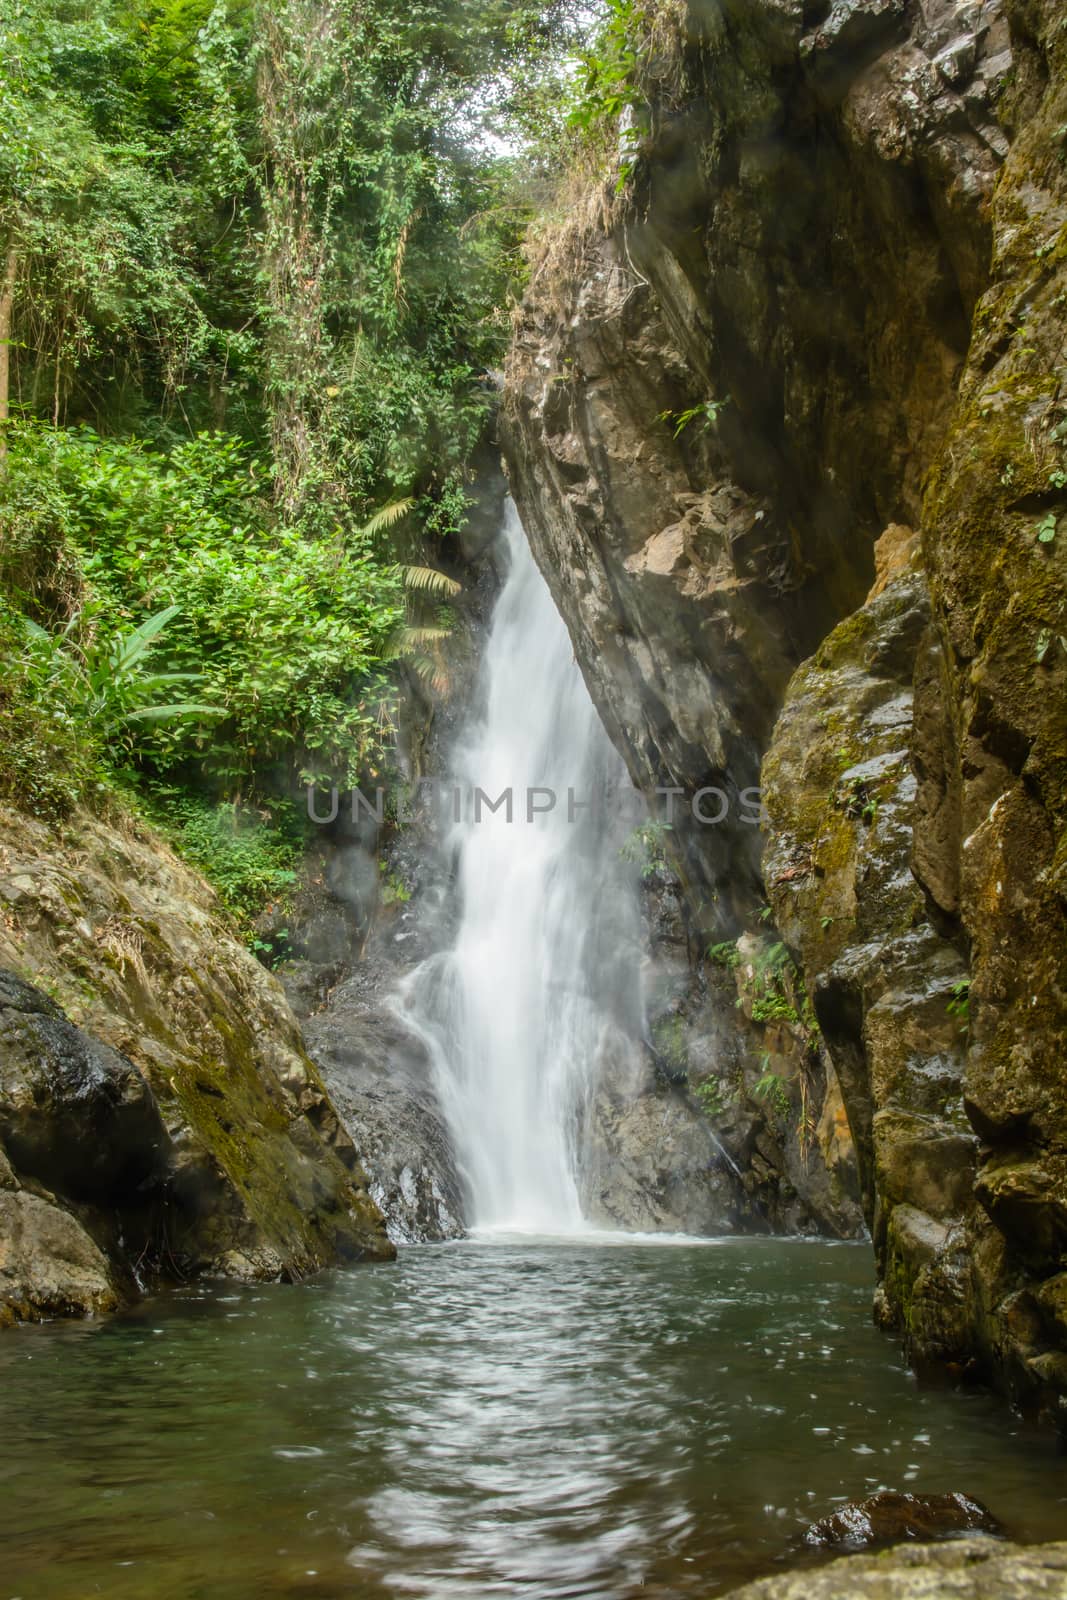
256, 263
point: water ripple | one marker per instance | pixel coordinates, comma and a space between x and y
537, 1421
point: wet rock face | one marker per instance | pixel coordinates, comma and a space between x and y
73, 1112
652, 1166
718, 400
828, 312
651, 1159
935, 937
991, 748
890, 981
83, 1151
840, 795
165, 1109
967, 1569
380, 1078
731, 1038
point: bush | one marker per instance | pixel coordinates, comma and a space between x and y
288, 635
48, 760
250, 857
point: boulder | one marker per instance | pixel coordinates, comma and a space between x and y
889, 1517
960, 1569
49, 1266
153, 1081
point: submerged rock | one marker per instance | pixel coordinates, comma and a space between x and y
966, 1569
888, 1517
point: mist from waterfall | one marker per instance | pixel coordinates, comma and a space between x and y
544, 970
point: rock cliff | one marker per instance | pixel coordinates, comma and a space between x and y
159, 1117
822, 315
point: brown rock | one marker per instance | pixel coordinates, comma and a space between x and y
49, 1266
888, 1517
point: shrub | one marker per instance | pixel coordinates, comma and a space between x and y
250, 857
48, 760
287, 635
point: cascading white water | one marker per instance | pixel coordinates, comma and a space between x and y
544, 969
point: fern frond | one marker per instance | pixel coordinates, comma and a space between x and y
388, 516
431, 673
427, 580
416, 638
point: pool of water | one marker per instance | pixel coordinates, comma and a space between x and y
520, 1418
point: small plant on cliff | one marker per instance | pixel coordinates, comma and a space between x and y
725, 954
394, 891
644, 847
857, 800
772, 1090
271, 952
774, 1008
713, 1100
960, 1004
770, 989
669, 1042
775, 962
1046, 528
679, 420
1044, 643
774, 990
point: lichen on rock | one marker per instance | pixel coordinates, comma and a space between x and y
968, 1569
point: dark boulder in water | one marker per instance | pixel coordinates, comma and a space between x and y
890, 1517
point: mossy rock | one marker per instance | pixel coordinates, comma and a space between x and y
261, 1177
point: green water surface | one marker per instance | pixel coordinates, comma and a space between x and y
524, 1419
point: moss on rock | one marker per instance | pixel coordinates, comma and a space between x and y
261, 1178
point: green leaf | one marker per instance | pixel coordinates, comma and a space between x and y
168, 712
133, 645
427, 580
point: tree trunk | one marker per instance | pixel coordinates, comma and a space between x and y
7, 301
299, 42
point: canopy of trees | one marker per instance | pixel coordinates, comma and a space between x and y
256, 265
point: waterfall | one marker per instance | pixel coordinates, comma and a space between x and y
543, 972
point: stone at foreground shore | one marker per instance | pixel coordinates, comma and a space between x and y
963, 1569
